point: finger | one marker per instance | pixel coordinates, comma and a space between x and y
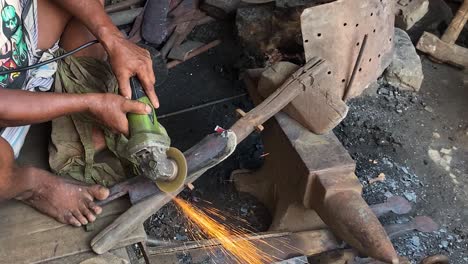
123, 127
148, 85
124, 85
136, 107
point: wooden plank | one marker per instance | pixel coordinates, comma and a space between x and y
18, 219
27, 236
116, 256
278, 245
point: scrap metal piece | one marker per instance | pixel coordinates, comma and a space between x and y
355, 68
195, 53
436, 259
334, 31
395, 204
181, 52
419, 223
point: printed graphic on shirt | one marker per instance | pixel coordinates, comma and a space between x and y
13, 48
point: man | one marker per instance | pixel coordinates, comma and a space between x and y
30, 27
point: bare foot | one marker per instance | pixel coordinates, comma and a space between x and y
67, 201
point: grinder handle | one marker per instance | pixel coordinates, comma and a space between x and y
137, 89
142, 123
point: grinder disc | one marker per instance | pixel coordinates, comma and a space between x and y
179, 158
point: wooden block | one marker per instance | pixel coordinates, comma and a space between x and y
442, 51
317, 110
27, 236
274, 76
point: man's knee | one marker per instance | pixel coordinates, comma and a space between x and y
6, 152
7, 160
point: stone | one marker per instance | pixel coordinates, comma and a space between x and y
446, 151
434, 155
436, 20
405, 71
415, 241
444, 244
435, 135
410, 196
429, 109
408, 12
220, 9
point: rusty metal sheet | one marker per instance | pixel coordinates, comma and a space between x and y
335, 32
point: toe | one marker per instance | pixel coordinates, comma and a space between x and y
94, 207
70, 219
99, 192
87, 213
78, 215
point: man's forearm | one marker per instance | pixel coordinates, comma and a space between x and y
22, 107
92, 14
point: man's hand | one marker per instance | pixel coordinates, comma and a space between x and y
112, 109
127, 60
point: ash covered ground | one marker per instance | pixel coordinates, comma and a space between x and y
419, 141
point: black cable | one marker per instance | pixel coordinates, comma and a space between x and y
201, 106
37, 65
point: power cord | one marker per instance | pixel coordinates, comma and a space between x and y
37, 65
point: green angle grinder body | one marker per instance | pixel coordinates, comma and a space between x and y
149, 146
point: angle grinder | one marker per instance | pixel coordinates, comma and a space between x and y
149, 146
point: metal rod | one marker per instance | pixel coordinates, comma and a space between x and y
356, 66
194, 53
201, 106
125, 17
122, 5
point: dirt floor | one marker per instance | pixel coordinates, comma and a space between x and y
418, 140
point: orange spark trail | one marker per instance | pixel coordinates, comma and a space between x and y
234, 241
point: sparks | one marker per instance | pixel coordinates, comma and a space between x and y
233, 240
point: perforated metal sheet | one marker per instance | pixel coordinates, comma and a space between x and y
335, 31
